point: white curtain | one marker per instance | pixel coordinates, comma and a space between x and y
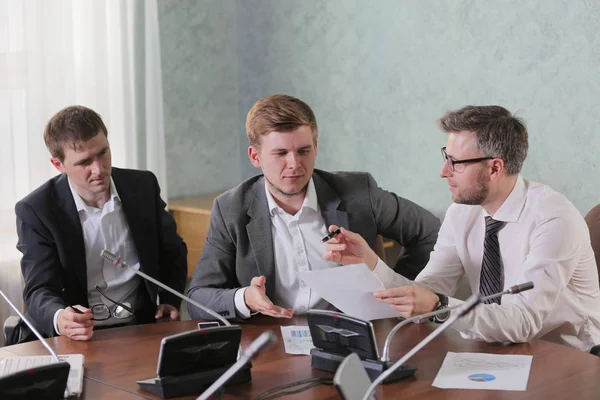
103, 54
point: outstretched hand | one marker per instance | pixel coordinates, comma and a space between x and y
256, 300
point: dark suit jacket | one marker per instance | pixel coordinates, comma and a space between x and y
239, 245
51, 240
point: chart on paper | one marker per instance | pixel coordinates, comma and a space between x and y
296, 339
484, 371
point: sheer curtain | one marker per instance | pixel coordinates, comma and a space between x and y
53, 53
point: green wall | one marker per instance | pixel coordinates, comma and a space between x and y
378, 74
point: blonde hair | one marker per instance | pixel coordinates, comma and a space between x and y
280, 113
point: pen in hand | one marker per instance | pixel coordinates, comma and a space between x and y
64, 293
331, 235
78, 311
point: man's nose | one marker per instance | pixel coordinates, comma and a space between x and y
96, 167
445, 172
292, 160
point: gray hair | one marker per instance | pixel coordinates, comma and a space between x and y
499, 133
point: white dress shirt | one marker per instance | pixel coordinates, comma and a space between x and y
297, 247
107, 228
544, 240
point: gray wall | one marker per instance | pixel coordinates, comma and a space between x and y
378, 74
198, 48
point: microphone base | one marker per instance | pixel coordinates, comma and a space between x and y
175, 386
326, 361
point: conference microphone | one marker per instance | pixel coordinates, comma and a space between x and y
265, 339
386, 347
191, 377
116, 260
463, 310
30, 381
30, 325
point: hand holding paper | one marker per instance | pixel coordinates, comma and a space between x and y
350, 288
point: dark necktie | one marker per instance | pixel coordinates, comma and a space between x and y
491, 269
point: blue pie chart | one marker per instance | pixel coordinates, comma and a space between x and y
481, 377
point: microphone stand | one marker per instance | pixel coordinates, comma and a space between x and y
116, 260
265, 339
30, 326
58, 372
386, 346
465, 309
171, 386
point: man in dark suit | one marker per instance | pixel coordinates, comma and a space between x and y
269, 228
64, 225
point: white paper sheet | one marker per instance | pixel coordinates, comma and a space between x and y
350, 288
296, 339
484, 371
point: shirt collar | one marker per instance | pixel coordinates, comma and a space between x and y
80, 204
310, 199
511, 209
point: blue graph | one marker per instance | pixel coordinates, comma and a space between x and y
481, 377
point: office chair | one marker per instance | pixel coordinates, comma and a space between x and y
13, 331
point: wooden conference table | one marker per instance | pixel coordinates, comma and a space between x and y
116, 358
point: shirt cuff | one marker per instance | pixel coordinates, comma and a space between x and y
385, 274
463, 323
55, 321
241, 308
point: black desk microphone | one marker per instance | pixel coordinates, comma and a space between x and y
265, 339
193, 381
351, 378
47, 381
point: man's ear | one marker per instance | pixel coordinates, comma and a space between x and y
57, 164
497, 168
253, 155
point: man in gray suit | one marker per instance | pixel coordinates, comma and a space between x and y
269, 228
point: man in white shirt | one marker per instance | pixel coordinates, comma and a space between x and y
269, 228
502, 230
65, 224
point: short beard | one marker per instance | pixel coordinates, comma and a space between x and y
286, 194
474, 196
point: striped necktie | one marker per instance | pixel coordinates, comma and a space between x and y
491, 267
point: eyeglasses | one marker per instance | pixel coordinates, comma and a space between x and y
452, 163
102, 313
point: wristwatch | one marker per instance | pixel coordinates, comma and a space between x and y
443, 303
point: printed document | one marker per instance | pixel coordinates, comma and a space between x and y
484, 371
296, 339
350, 288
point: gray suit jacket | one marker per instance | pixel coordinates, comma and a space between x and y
239, 245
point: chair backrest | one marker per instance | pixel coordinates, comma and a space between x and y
15, 331
593, 222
